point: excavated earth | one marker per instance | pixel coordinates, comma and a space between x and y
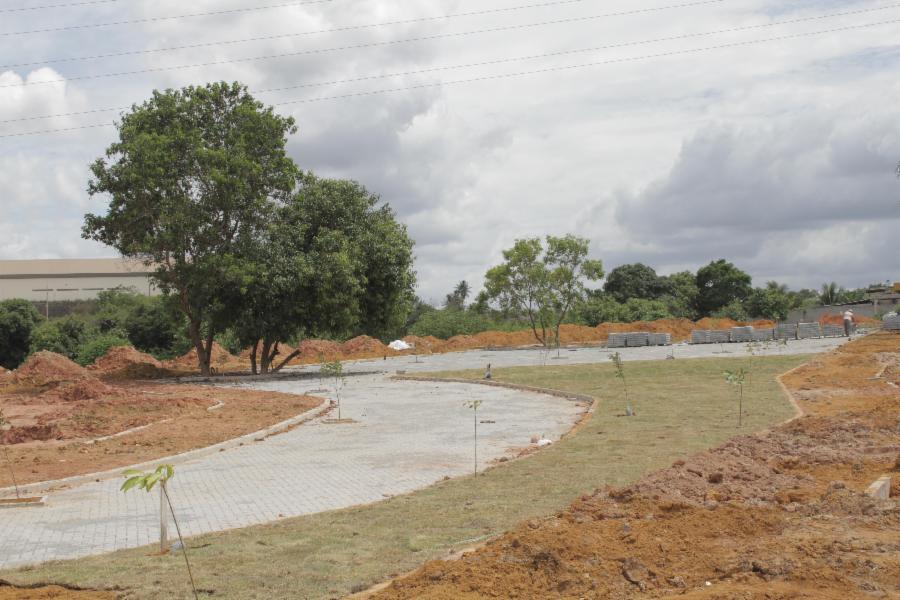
777, 515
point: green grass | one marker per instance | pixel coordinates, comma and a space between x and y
683, 406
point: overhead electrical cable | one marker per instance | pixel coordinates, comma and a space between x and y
63, 5
327, 50
518, 74
157, 19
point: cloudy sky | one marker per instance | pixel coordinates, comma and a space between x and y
671, 132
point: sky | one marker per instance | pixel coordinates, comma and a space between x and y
670, 132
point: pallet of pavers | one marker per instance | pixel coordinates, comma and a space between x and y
616, 340
763, 335
833, 330
700, 336
720, 336
892, 324
806, 331
786, 331
637, 339
742, 334
660, 339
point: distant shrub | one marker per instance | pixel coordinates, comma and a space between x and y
97, 346
18, 319
63, 336
450, 322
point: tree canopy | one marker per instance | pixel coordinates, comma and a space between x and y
18, 319
719, 284
543, 285
633, 281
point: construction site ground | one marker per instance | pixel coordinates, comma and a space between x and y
683, 406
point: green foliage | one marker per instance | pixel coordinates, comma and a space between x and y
616, 359
63, 336
637, 309
446, 323
96, 346
733, 310
680, 294
599, 308
18, 319
155, 326
719, 284
737, 378
135, 479
457, 298
633, 281
192, 180
543, 285
772, 302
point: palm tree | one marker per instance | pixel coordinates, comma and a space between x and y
830, 294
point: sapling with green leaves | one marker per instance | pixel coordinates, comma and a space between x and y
474, 405
335, 371
135, 479
737, 378
4, 425
752, 349
620, 373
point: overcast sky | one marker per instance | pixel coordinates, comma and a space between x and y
778, 156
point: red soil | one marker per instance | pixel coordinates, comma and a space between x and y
124, 362
44, 368
838, 319
773, 516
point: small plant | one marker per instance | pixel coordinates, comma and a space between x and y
4, 424
474, 404
147, 481
752, 349
737, 378
620, 373
335, 371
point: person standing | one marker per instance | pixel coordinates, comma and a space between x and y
848, 322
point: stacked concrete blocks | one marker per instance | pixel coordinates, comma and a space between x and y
742, 334
807, 331
892, 324
637, 339
833, 330
786, 331
763, 335
660, 339
700, 336
720, 336
616, 340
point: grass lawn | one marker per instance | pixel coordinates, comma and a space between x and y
682, 406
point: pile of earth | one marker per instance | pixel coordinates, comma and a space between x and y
838, 319
424, 345
51, 592
219, 357
48, 368
124, 362
365, 346
776, 515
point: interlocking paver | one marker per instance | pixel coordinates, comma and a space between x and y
407, 435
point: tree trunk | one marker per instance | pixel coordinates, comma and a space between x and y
266, 356
253, 366
283, 363
202, 353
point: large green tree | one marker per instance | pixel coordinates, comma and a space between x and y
719, 284
633, 281
336, 262
18, 319
543, 285
193, 180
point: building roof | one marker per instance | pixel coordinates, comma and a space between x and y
78, 267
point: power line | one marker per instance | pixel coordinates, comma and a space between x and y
305, 33
487, 63
326, 50
64, 5
518, 74
156, 19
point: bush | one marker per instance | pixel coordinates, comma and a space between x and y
97, 346
18, 318
599, 309
63, 336
152, 326
733, 310
638, 309
449, 322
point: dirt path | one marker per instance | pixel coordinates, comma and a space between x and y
770, 516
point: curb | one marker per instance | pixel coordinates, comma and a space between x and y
116, 473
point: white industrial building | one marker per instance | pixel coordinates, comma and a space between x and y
71, 279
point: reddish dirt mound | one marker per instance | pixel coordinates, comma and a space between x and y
44, 368
365, 345
124, 362
776, 515
838, 319
219, 356
425, 344
318, 350
30, 433
88, 389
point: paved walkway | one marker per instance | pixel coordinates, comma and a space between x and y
406, 436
